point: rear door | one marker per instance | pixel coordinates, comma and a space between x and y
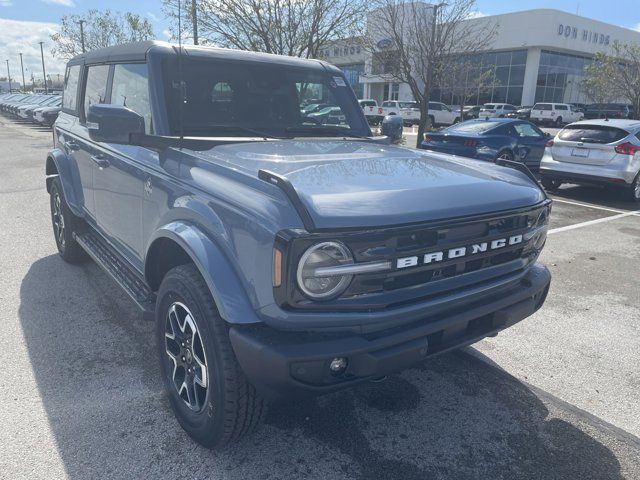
587, 144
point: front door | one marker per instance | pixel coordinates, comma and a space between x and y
123, 171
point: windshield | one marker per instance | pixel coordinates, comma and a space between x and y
408, 105
231, 98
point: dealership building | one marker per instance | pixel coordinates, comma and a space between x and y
535, 56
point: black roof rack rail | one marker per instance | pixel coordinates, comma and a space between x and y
285, 185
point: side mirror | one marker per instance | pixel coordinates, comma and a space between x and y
113, 123
392, 128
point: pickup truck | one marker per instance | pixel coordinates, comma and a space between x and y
278, 256
410, 112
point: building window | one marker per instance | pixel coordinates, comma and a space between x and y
505, 72
395, 91
559, 78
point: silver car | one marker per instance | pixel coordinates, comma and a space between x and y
602, 152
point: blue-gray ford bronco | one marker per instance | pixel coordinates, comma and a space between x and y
280, 253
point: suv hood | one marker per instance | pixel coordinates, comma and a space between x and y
362, 184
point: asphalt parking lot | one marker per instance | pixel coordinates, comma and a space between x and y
555, 397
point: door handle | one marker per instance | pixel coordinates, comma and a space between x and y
71, 145
100, 160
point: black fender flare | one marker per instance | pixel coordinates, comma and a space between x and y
59, 165
222, 279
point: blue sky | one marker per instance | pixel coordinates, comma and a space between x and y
16, 35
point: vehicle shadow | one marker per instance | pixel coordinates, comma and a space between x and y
604, 197
453, 417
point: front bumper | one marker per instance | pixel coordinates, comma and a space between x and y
283, 363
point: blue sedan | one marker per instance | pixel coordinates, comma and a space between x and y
489, 139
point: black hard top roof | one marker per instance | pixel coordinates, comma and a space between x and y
137, 52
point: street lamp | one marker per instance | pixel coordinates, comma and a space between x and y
24, 85
9, 75
44, 72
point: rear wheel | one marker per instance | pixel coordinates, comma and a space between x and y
505, 155
632, 193
208, 392
559, 122
551, 184
65, 224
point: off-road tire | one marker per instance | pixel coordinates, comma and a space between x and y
232, 408
551, 184
65, 224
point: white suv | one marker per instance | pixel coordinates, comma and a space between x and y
556, 113
491, 110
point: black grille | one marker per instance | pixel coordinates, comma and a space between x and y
404, 285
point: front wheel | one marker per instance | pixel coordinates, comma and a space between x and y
559, 122
208, 392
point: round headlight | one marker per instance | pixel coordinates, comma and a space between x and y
315, 278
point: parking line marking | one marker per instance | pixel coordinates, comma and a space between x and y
593, 222
588, 205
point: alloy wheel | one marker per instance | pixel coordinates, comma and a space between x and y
187, 358
58, 219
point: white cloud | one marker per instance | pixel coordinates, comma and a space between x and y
476, 14
5, 3
22, 37
64, 3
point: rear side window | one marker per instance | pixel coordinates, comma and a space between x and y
368, 104
131, 89
388, 104
96, 90
471, 127
490, 106
435, 106
561, 107
592, 134
70, 93
542, 106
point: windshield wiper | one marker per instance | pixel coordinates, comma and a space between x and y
237, 128
337, 131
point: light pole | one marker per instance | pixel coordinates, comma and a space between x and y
194, 20
24, 85
9, 75
434, 22
82, 22
44, 72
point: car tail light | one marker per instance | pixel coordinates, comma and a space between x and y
627, 148
550, 143
470, 143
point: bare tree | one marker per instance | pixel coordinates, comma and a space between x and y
101, 29
298, 28
615, 76
413, 42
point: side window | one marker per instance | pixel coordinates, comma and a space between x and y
561, 107
131, 89
96, 86
435, 106
527, 130
70, 93
387, 104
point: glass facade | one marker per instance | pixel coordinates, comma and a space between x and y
505, 77
353, 72
559, 77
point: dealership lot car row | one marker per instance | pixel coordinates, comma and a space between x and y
37, 108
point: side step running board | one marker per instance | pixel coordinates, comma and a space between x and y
119, 270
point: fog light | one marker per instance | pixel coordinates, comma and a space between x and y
338, 365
